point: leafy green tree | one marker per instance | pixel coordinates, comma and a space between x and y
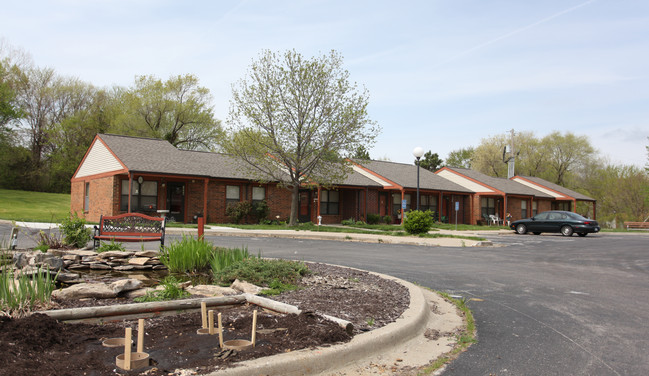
566, 152
296, 120
177, 110
430, 161
460, 158
488, 156
361, 153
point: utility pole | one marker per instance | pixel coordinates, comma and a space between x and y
509, 156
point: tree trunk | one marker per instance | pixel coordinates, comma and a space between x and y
295, 203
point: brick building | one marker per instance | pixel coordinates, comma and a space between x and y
122, 174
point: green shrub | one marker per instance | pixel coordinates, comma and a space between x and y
42, 247
262, 272
74, 231
373, 219
188, 255
387, 219
261, 211
418, 222
347, 222
171, 291
241, 211
112, 246
224, 257
20, 296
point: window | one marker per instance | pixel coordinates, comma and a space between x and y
562, 205
428, 203
86, 202
144, 196
258, 194
232, 194
523, 209
396, 203
329, 202
488, 206
534, 208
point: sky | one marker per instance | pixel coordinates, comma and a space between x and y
441, 75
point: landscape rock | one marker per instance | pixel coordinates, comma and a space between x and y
99, 266
246, 287
115, 254
138, 260
147, 254
85, 290
125, 285
211, 290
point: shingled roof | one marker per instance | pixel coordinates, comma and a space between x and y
506, 186
405, 175
149, 155
558, 188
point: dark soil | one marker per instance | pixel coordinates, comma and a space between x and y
39, 345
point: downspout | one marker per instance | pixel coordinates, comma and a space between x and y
439, 207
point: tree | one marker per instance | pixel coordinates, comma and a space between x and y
430, 161
296, 120
177, 110
566, 153
488, 156
460, 158
361, 153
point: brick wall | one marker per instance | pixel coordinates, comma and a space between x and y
103, 198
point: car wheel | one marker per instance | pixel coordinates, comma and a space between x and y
521, 229
566, 231
582, 234
536, 233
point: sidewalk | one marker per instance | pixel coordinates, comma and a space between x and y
349, 237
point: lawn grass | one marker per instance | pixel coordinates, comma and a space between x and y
34, 206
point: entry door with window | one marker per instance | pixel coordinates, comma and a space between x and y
304, 211
176, 201
383, 204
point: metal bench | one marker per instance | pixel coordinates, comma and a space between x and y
130, 227
636, 225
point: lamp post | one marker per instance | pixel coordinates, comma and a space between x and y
418, 152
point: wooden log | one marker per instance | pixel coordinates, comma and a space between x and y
287, 308
141, 308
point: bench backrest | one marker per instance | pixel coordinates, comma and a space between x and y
131, 224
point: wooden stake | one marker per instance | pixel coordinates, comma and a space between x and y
211, 320
140, 335
204, 314
254, 327
127, 348
220, 332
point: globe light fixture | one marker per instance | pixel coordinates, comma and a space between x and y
418, 152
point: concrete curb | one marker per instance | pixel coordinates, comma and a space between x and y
305, 362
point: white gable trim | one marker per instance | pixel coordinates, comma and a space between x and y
464, 182
539, 188
99, 161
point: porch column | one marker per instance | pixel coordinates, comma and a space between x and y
317, 214
595, 210
205, 200
403, 211
130, 187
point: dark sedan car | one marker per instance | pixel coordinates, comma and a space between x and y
564, 222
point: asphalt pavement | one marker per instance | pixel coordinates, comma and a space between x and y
544, 305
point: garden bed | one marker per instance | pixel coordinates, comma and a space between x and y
41, 345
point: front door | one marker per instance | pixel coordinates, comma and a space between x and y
304, 210
176, 202
383, 204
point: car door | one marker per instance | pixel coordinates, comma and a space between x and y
537, 224
554, 222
